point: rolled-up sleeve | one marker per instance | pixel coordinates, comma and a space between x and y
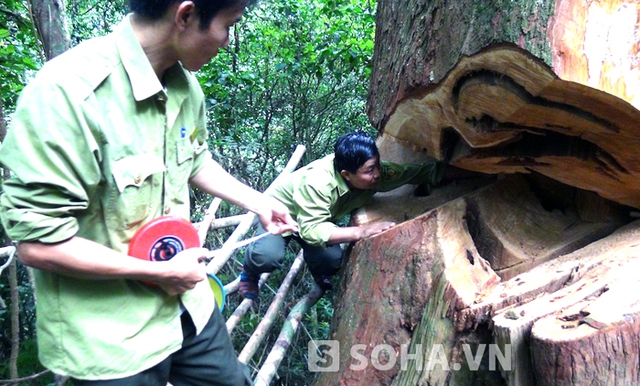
395, 175
52, 171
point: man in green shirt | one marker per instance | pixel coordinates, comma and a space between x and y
322, 193
106, 138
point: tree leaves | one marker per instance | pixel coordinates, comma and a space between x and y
19, 52
295, 73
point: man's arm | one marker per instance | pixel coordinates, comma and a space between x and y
214, 180
348, 234
79, 257
314, 218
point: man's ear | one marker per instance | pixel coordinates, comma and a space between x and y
185, 13
346, 175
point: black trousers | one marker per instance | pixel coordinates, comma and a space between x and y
204, 360
267, 255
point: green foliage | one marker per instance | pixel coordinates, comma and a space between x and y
19, 51
90, 18
295, 73
28, 364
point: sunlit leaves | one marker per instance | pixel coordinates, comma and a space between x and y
90, 18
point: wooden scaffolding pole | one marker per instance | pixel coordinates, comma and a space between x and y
272, 313
271, 364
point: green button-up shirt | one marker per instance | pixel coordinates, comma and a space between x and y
97, 148
317, 196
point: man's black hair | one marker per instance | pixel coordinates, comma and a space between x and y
207, 9
353, 150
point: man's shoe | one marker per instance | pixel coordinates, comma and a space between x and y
324, 282
249, 286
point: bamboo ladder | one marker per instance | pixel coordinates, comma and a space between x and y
243, 225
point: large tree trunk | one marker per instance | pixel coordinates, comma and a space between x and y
418, 42
442, 280
515, 280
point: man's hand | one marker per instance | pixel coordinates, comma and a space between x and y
375, 228
275, 217
355, 233
70, 258
183, 271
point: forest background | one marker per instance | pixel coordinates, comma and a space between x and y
296, 73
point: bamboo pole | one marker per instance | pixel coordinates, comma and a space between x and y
271, 364
241, 230
226, 221
27, 379
232, 287
272, 313
209, 216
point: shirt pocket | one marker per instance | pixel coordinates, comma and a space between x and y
138, 188
185, 151
184, 158
181, 172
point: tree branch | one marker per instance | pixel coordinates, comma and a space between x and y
16, 17
24, 379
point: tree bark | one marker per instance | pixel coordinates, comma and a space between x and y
15, 319
49, 17
417, 43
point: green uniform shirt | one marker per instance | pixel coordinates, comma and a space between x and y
97, 148
317, 196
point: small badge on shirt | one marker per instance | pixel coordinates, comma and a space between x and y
390, 171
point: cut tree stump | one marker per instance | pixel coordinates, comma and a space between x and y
589, 273
596, 341
429, 282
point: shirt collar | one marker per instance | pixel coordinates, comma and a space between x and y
144, 82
